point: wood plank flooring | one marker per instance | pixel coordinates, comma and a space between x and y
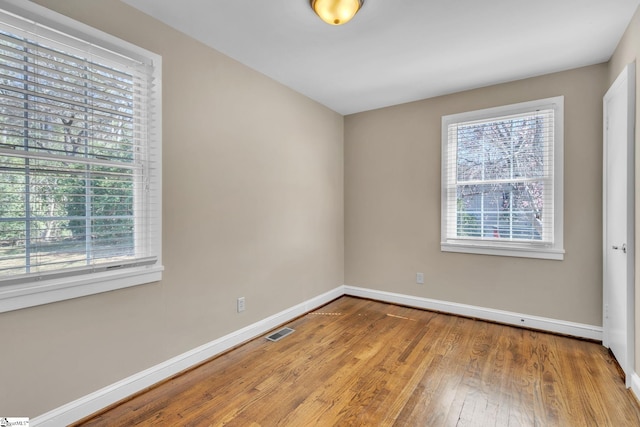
357, 362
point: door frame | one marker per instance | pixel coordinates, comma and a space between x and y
627, 76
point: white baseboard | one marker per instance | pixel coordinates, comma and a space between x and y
635, 385
109, 395
552, 325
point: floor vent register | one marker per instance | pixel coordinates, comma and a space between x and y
276, 336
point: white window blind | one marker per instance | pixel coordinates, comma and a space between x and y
500, 180
79, 154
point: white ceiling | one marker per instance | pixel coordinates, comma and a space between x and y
396, 51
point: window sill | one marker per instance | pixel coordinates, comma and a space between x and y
520, 252
32, 294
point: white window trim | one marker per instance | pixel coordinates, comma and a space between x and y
38, 291
525, 250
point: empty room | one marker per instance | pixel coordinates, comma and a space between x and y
325, 212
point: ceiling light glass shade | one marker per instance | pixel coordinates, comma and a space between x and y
336, 12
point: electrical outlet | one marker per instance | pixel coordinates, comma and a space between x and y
241, 306
420, 278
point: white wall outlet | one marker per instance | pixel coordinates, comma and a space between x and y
241, 306
420, 278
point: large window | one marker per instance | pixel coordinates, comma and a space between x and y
502, 180
79, 160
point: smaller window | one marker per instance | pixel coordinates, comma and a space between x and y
502, 185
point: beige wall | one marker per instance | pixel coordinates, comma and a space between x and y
628, 51
253, 206
392, 205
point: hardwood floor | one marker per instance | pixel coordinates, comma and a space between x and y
365, 363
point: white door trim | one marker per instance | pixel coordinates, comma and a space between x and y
626, 77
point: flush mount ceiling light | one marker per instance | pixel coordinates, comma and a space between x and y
336, 12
